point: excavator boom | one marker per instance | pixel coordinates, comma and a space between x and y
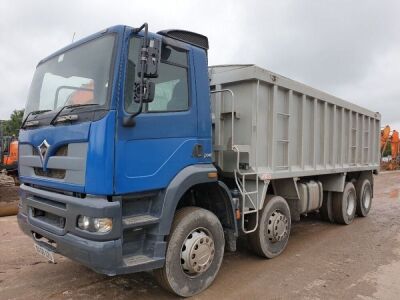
392, 138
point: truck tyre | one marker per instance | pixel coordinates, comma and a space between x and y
364, 197
272, 234
195, 249
344, 205
326, 210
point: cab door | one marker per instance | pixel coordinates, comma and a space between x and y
151, 153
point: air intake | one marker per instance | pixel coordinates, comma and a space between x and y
187, 37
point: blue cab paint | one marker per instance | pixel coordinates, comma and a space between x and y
125, 160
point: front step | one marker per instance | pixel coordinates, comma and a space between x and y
139, 263
140, 220
135, 260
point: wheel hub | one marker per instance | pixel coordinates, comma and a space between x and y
278, 226
197, 252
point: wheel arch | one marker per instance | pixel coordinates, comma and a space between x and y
187, 189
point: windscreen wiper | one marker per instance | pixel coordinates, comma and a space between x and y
34, 112
70, 117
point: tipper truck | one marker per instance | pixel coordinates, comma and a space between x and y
135, 155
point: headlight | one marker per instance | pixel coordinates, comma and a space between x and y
83, 222
101, 225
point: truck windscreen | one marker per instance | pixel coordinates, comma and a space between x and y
80, 75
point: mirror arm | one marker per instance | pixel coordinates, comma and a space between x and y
129, 121
143, 61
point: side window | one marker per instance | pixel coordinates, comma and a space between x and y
171, 86
171, 92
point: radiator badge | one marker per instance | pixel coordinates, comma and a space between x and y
43, 148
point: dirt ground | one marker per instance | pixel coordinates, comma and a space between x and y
322, 261
8, 196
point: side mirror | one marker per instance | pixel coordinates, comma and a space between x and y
153, 57
149, 57
150, 54
148, 92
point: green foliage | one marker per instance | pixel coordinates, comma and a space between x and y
11, 127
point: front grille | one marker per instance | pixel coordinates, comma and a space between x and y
50, 173
61, 151
66, 163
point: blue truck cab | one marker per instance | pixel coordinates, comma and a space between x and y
115, 158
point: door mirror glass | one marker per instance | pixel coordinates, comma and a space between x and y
150, 53
148, 92
152, 59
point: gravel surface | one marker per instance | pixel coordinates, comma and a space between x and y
322, 261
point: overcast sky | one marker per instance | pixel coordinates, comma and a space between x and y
350, 49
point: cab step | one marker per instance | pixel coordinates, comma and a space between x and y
141, 262
134, 260
140, 220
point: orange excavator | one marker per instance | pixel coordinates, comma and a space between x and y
9, 157
392, 137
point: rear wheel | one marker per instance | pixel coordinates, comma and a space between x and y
364, 197
194, 252
272, 234
344, 205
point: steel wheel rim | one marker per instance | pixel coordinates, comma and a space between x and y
278, 227
197, 252
367, 198
351, 204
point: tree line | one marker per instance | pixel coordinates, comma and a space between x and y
11, 127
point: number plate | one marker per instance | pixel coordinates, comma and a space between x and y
44, 252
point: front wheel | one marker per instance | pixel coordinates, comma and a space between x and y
272, 234
194, 252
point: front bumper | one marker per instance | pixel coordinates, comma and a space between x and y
102, 253
101, 256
